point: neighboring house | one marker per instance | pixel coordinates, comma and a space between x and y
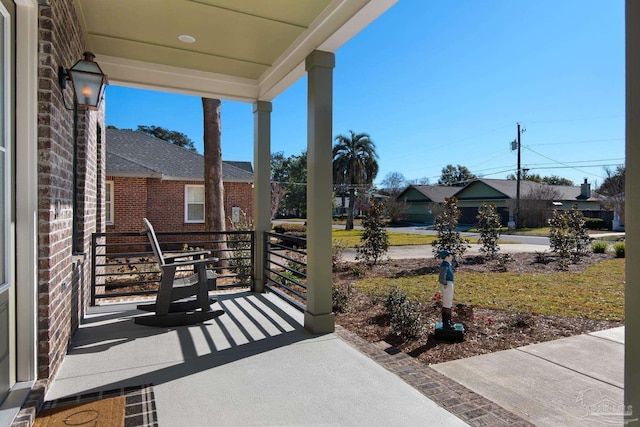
503, 192
152, 178
422, 201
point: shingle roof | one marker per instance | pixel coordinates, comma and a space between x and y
132, 152
435, 193
508, 187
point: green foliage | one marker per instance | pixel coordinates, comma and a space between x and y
455, 176
290, 228
568, 235
405, 314
337, 248
448, 237
177, 138
619, 249
240, 245
289, 184
355, 166
341, 297
549, 180
594, 223
489, 228
374, 240
599, 247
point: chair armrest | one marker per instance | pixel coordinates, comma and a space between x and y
192, 262
172, 258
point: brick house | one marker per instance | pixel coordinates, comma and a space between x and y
152, 178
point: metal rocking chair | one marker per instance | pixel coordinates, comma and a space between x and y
172, 306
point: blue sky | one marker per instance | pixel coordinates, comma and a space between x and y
444, 82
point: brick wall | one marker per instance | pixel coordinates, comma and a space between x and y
62, 275
162, 202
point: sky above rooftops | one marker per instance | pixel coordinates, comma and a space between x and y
444, 82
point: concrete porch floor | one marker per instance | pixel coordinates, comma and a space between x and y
254, 365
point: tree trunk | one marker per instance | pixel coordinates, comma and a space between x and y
352, 204
213, 187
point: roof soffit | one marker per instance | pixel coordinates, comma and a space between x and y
243, 51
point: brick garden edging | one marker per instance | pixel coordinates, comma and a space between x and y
455, 398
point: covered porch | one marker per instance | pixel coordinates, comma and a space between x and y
255, 365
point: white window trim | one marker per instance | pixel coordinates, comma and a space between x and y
186, 205
109, 189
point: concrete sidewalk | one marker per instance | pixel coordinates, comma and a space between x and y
575, 381
425, 251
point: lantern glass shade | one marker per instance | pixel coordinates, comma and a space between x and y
88, 82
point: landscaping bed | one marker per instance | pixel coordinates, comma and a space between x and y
488, 328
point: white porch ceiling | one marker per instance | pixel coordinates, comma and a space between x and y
244, 50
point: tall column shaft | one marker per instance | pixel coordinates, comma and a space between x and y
261, 186
319, 317
632, 212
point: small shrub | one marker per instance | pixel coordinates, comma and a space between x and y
374, 240
357, 269
406, 317
464, 311
341, 297
594, 224
599, 247
337, 249
619, 249
523, 320
290, 228
542, 257
503, 261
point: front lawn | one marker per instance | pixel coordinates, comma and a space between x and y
595, 293
351, 238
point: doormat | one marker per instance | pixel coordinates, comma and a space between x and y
126, 407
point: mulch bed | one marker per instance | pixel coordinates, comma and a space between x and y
486, 330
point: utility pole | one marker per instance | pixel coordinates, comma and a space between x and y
517, 216
515, 145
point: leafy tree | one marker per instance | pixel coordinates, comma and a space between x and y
489, 228
374, 240
556, 180
455, 176
177, 138
550, 180
525, 176
393, 184
296, 200
448, 237
289, 184
612, 189
354, 166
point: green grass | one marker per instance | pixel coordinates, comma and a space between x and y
351, 238
597, 293
543, 231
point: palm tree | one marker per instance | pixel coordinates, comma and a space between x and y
354, 166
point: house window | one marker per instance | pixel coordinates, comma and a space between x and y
194, 203
108, 202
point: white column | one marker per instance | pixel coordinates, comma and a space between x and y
261, 186
632, 211
319, 317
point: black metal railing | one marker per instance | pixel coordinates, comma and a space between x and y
123, 264
285, 267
